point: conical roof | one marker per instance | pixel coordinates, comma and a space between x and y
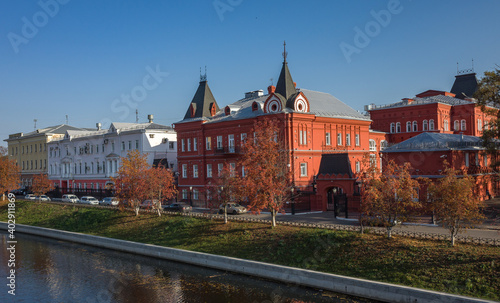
285, 86
202, 101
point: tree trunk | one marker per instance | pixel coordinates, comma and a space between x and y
159, 212
225, 213
136, 210
389, 232
452, 240
273, 214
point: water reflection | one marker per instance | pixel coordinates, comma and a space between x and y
55, 271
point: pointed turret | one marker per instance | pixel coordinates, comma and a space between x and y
285, 86
203, 103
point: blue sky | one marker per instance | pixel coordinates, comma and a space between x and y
83, 58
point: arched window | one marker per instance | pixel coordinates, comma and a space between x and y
373, 145
456, 125
479, 125
408, 126
431, 124
383, 145
463, 125
424, 125
393, 127
415, 126
398, 127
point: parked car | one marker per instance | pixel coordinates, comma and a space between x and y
232, 208
42, 198
111, 201
183, 208
30, 197
89, 200
19, 192
148, 204
69, 198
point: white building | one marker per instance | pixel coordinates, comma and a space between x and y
87, 159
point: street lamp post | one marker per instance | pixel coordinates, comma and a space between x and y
293, 202
190, 197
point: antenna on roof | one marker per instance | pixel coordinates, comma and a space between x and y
34, 120
457, 68
284, 52
136, 116
271, 81
66, 119
203, 77
472, 64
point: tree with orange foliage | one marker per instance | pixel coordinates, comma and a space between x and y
267, 180
9, 173
41, 184
454, 202
131, 182
228, 186
160, 186
390, 197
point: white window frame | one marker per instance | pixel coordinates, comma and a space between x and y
183, 145
209, 170
348, 139
393, 128
303, 169
195, 170
373, 145
195, 144
231, 143
189, 144
328, 139
208, 143
398, 127
184, 171
220, 144
220, 168
339, 139
425, 125
463, 125
356, 138
408, 126
431, 124
456, 125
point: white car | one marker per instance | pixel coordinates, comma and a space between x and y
30, 197
111, 201
89, 200
69, 198
42, 198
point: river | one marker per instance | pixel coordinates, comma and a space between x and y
48, 270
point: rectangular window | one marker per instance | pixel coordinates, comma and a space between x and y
479, 125
184, 194
195, 144
230, 139
219, 142
327, 139
243, 174
195, 171
466, 159
356, 137
189, 144
339, 139
123, 145
477, 159
195, 194
232, 169
183, 145
113, 146
209, 170
129, 145
96, 148
300, 138
303, 169
136, 144
348, 139
485, 160
171, 145
184, 170
243, 138
208, 143
220, 166
358, 166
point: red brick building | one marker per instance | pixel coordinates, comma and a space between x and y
326, 140
427, 152
452, 112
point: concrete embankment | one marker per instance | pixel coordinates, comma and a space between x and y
340, 284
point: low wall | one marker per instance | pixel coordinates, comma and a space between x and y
340, 284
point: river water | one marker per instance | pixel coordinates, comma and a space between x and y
48, 270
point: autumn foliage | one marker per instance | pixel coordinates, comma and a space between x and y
41, 185
266, 183
137, 181
9, 172
391, 197
454, 202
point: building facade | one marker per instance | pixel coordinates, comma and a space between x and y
86, 160
29, 150
427, 153
454, 112
320, 132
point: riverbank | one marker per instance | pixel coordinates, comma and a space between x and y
469, 270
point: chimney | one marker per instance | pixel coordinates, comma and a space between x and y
98, 125
150, 118
271, 89
408, 100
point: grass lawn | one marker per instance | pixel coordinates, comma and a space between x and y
470, 270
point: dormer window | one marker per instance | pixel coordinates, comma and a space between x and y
227, 111
212, 109
255, 106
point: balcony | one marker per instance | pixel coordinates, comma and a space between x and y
228, 150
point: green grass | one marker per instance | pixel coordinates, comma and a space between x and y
470, 270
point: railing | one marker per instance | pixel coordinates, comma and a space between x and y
228, 150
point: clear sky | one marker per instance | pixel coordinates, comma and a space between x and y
99, 61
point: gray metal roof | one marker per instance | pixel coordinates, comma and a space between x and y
321, 104
426, 100
56, 129
436, 142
